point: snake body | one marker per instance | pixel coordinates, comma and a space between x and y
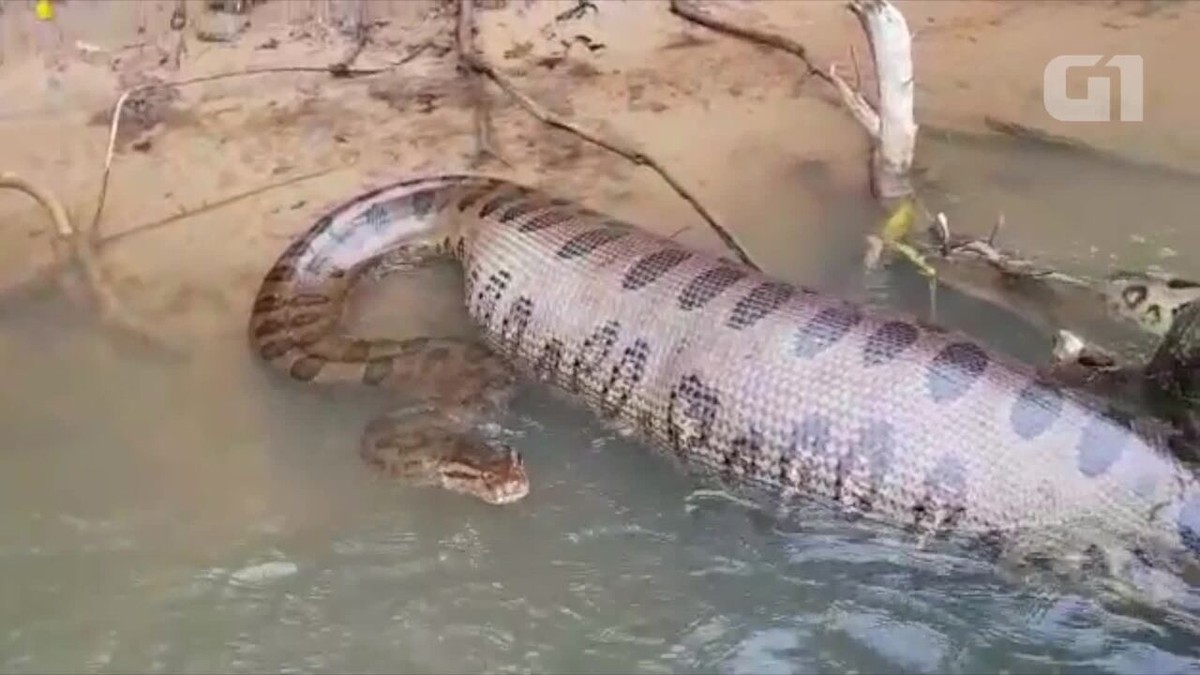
755, 381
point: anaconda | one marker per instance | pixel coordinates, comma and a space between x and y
750, 379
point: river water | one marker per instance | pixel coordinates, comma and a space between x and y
209, 516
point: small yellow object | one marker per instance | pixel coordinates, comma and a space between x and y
896, 227
44, 10
899, 222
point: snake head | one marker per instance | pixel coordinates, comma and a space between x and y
494, 473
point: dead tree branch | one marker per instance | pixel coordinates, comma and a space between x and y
893, 129
958, 247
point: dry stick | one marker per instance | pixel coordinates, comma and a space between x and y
632, 154
687, 11
112, 311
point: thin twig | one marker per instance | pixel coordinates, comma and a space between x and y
954, 246
634, 155
112, 310
685, 10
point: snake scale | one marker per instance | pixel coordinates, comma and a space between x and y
741, 376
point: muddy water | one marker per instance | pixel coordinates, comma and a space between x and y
210, 517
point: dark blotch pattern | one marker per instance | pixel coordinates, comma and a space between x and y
309, 300
587, 242
889, 341
594, 353
268, 303
762, 300
307, 368
437, 354
472, 197
546, 219
280, 274
376, 217
955, 368
1037, 406
378, 370
305, 320
519, 210
943, 503
813, 434
652, 267
738, 459
421, 203
825, 329
1100, 445
691, 415
810, 445
356, 351
505, 198
707, 285
273, 350
516, 322
1189, 525
489, 295
548, 362
869, 459
267, 328
317, 229
625, 377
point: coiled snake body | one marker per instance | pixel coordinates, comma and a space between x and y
755, 381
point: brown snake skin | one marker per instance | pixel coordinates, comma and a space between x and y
751, 380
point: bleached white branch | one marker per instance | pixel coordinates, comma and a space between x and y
892, 128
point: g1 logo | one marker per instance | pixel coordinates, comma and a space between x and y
1097, 105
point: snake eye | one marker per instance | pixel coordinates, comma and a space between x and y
1134, 295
